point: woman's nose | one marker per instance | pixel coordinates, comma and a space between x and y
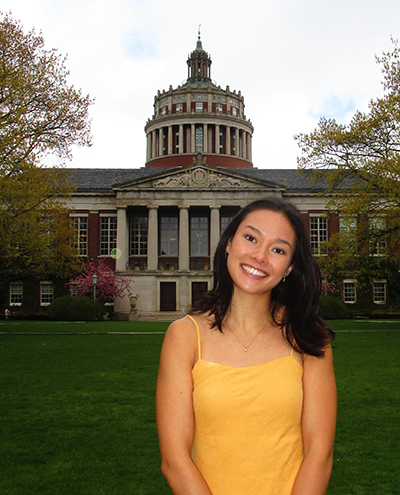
260, 256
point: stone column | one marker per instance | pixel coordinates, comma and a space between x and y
148, 151
160, 141
216, 138
214, 232
122, 239
183, 238
228, 140
180, 138
237, 142
154, 144
170, 140
205, 140
192, 138
249, 151
244, 144
152, 239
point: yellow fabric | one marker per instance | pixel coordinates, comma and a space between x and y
248, 425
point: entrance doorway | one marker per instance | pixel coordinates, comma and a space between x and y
199, 289
167, 296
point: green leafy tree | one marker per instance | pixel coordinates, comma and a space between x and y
360, 162
360, 165
41, 115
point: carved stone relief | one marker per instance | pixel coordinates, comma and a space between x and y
200, 177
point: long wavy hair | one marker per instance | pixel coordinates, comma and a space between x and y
294, 302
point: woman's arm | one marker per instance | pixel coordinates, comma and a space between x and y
175, 417
318, 425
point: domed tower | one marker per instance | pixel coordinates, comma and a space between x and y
199, 117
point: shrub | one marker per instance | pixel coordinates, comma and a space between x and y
332, 308
69, 308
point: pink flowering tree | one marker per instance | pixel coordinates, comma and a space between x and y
328, 288
108, 287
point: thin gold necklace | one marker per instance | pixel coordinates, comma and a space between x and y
246, 348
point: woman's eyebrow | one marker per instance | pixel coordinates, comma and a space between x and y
254, 229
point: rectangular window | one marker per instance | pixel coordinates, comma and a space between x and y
199, 138
164, 142
218, 107
16, 292
318, 234
227, 214
199, 236
234, 111
179, 107
377, 241
46, 293
225, 222
199, 106
139, 232
81, 229
348, 227
163, 110
349, 291
380, 291
73, 290
169, 236
108, 235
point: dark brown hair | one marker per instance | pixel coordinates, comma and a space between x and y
294, 302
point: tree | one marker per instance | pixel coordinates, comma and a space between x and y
360, 162
108, 287
40, 115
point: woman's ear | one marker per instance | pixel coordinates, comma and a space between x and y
228, 247
289, 270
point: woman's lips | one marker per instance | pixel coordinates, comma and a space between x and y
253, 271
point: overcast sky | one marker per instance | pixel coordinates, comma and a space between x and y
293, 60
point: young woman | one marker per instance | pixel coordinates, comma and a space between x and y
246, 397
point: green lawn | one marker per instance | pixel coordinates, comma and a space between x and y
77, 410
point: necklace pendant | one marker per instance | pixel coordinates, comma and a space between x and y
245, 349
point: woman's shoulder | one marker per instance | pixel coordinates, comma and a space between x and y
181, 338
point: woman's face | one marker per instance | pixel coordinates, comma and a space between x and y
261, 251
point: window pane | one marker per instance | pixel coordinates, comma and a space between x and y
349, 292
81, 228
108, 235
16, 294
139, 232
318, 234
46, 294
199, 138
379, 292
169, 236
377, 241
199, 236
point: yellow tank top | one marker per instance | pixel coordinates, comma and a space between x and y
247, 437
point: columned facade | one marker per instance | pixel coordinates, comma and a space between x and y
158, 226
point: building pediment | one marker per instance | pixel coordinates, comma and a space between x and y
199, 177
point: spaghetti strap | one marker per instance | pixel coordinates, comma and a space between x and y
291, 352
198, 334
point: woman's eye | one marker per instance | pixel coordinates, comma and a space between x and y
250, 238
279, 251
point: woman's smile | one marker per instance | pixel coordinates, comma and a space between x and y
254, 272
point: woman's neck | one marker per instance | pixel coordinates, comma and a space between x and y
247, 312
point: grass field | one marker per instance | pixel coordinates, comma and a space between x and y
77, 409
